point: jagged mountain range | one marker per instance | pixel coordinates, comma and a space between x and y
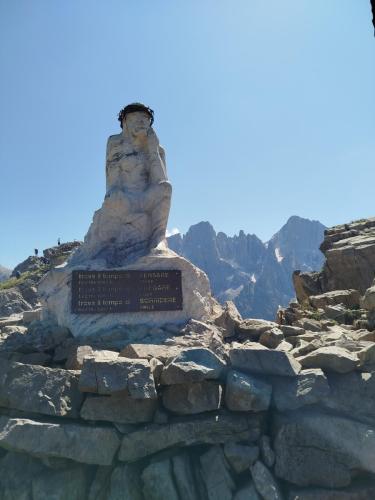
257, 276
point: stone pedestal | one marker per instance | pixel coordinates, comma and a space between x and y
56, 295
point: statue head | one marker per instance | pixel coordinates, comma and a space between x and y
137, 118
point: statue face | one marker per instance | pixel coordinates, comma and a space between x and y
137, 123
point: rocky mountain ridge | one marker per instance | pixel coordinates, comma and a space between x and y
256, 276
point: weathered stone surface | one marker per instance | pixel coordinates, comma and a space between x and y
284, 346
360, 490
255, 358
120, 408
69, 484
240, 456
353, 395
216, 474
230, 319
266, 452
247, 492
323, 450
189, 399
368, 300
117, 375
308, 387
50, 391
156, 369
61, 440
184, 477
246, 392
40, 336
193, 365
207, 429
350, 298
17, 472
12, 302
330, 359
158, 483
253, 328
77, 355
147, 351
29, 316
265, 483
99, 487
289, 330
271, 338
125, 484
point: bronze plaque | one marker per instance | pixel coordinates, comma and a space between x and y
126, 291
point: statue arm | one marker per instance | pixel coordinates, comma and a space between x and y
158, 169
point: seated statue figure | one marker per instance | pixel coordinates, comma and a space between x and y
133, 218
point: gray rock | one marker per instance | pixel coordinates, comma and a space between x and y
240, 456
17, 472
284, 346
120, 408
368, 300
12, 302
188, 399
309, 387
291, 331
69, 484
147, 351
265, 483
184, 477
352, 395
350, 298
255, 358
230, 319
100, 485
271, 338
156, 369
266, 451
323, 450
216, 474
62, 440
253, 328
158, 483
125, 484
116, 375
247, 492
31, 388
360, 490
79, 353
330, 359
246, 393
205, 429
30, 316
193, 365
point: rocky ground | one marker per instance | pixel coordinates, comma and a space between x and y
229, 409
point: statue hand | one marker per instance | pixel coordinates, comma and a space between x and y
152, 141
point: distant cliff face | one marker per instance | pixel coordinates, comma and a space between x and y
257, 276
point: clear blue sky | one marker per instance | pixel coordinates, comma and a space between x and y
266, 109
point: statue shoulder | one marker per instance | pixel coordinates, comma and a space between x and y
114, 139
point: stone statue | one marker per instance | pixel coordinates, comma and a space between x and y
128, 234
134, 215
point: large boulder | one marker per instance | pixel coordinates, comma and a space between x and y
158, 482
193, 365
217, 476
330, 359
68, 484
205, 429
36, 389
12, 302
191, 398
110, 376
265, 483
255, 358
119, 408
246, 392
322, 450
184, 477
59, 440
308, 387
125, 483
350, 298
